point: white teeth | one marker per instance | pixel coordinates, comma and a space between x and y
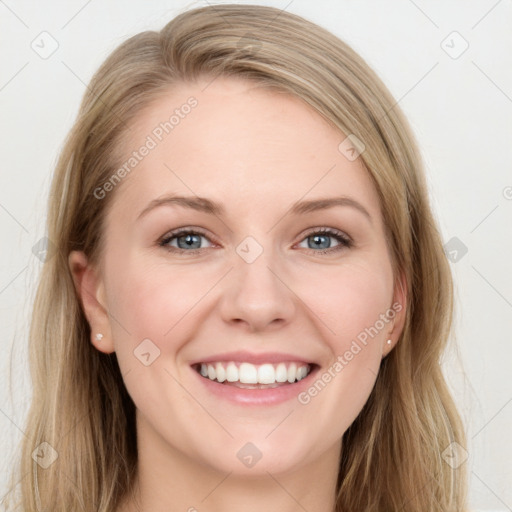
281, 373
221, 372
247, 373
301, 372
292, 372
266, 374
231, 372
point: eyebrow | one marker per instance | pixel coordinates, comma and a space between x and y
202, 204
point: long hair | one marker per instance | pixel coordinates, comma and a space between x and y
392, 454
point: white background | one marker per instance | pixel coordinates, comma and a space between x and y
460, 110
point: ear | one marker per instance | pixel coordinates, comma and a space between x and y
399, 306
91, 292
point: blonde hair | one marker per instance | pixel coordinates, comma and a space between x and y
392, 453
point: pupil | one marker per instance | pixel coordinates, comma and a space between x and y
189, 241
316, 239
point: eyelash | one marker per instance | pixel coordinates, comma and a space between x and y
344, 241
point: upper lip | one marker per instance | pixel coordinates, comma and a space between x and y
253, 358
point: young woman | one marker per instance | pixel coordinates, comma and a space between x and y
248, 298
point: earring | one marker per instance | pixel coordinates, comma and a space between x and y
99, 336
388, 342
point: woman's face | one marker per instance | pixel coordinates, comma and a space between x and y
250, 284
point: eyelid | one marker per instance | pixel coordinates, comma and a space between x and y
328, 231
345, 241
175, 233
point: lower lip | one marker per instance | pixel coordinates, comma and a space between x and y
267, 396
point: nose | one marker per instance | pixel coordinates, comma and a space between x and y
257, 295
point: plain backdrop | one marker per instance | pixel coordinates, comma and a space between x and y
448, 65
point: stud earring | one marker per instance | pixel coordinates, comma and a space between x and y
388, 342
99, 336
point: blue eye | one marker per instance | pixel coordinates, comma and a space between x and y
189, 241
185, 239
320, 240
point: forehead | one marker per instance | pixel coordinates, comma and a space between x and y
243, 146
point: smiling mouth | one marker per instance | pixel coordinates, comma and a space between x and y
250, 376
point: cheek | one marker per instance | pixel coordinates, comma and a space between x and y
350, 300
351, 304
157, 305
154, 303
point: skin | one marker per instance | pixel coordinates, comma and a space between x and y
256, 153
